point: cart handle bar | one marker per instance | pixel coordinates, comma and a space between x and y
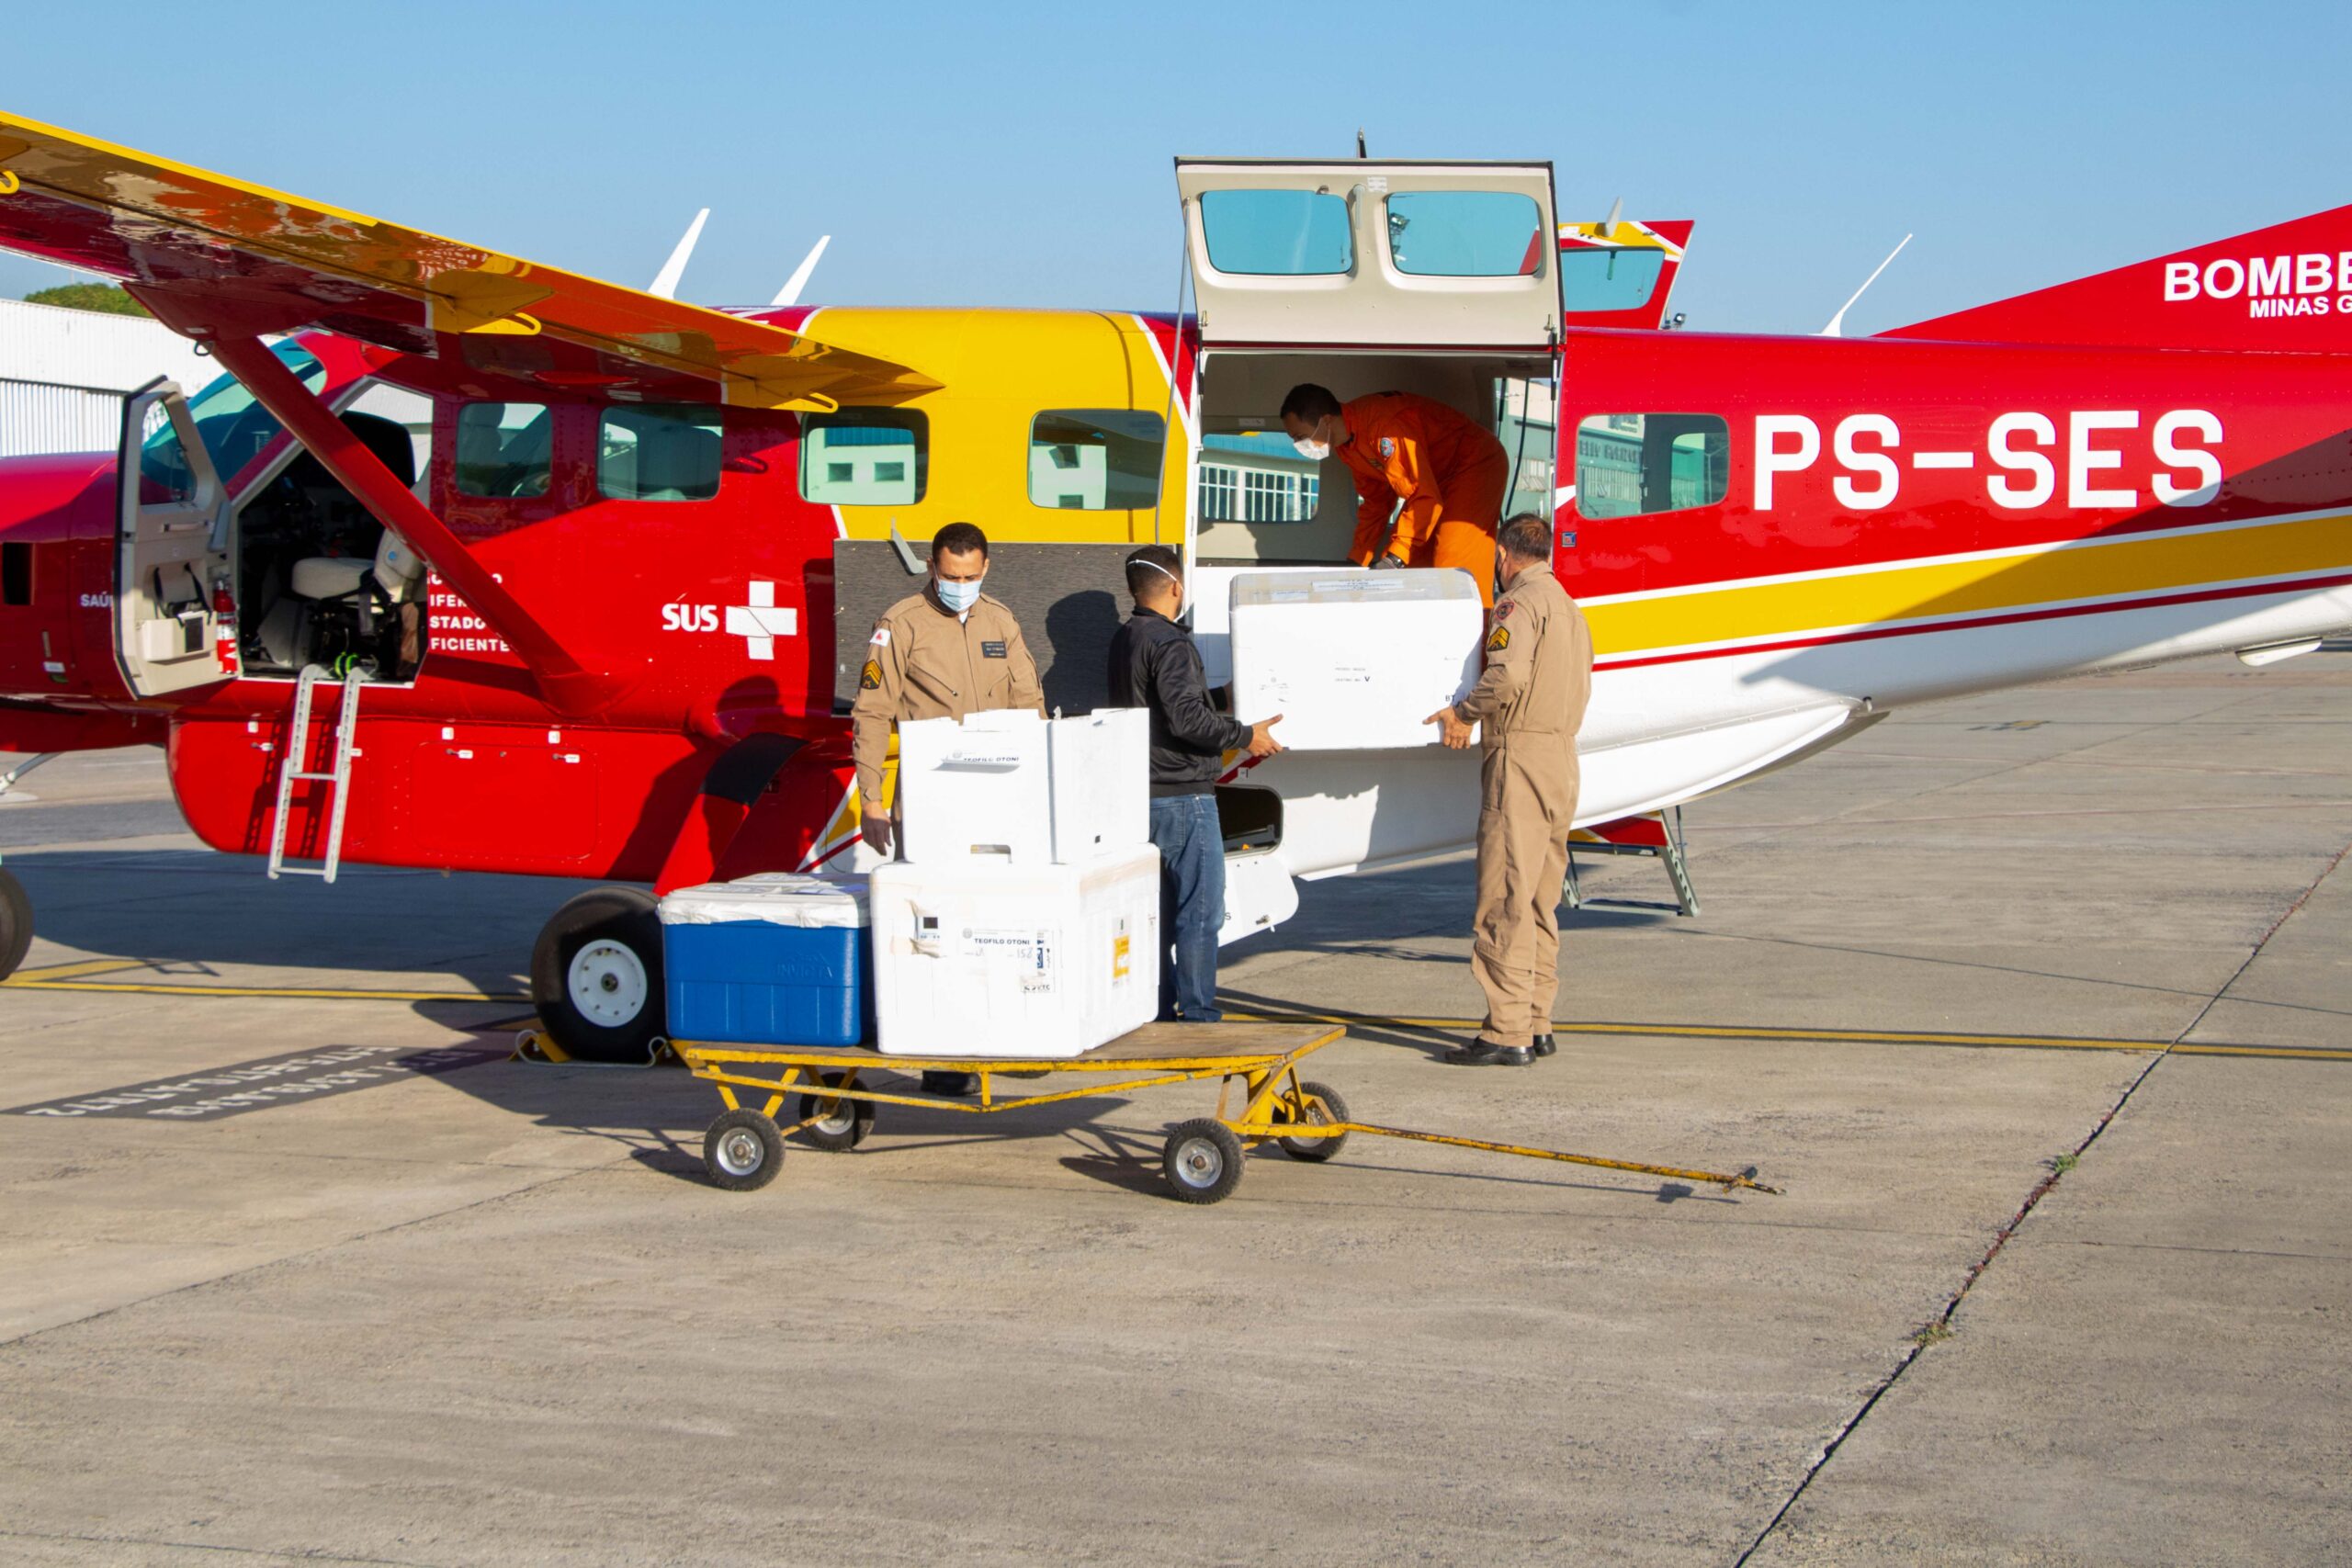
1743, 1180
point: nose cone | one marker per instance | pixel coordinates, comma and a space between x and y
47, 499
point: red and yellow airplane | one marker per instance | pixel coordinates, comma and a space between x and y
493, 566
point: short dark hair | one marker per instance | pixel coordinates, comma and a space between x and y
1310, 402
1144, 566
959, 539
1526, 536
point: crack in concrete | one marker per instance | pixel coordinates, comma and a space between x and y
1939, 1326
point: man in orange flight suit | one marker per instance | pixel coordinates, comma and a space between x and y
1451, 475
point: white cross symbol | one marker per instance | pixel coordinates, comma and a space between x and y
760, 623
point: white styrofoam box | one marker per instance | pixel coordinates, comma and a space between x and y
1354, 660
983, 959
1260, 894
1101, 782
981, 788
773, 897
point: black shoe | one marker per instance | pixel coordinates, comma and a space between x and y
1479, 1054
955, 1086
1543, 1046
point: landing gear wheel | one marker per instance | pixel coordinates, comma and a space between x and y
1332, 1108
846, 1127
1201, 1160
596, 975
743, 1150
16, 924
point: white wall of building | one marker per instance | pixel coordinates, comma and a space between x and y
62, 373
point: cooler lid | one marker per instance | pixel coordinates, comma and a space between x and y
1357, 586
775, 898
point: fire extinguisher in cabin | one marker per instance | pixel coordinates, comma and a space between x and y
225, 620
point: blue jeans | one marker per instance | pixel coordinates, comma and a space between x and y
1192, 902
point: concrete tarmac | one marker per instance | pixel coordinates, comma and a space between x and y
2079, 1291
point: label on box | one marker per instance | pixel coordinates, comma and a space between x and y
1029, 953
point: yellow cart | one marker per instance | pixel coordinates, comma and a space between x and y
1202, 1157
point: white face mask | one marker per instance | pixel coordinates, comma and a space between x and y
958, 596
1312, 449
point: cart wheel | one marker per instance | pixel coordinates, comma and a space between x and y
743, 1150
1201, 1160
1331, 1108
846, 1128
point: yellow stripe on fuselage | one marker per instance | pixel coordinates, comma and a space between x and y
1987, 585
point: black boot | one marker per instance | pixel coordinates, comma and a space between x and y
1543, 1046
1479, 1054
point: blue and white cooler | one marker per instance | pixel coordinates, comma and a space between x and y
777, 959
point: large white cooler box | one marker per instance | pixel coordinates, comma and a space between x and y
1354, 660
978, 958
1022, 790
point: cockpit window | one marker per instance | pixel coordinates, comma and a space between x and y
1467, 233
233, 426
1277, 233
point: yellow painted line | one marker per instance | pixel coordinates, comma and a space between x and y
1839, 1037
71, 971
2027, 579
291, 993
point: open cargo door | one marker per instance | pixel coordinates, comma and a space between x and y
174, 564
1357, 255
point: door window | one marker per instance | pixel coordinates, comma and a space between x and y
1277, 233
1095, 459
1594, 279
1257, 477
865, 457
504, 450
233, 426
1630, 465
1467, 233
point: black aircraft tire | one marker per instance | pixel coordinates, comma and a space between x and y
596, 975
16, 924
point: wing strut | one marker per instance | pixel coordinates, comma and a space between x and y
562, 681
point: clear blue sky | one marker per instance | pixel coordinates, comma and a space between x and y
1018, 155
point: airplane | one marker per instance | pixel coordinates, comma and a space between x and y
590, 601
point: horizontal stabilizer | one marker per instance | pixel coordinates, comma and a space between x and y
2287, 288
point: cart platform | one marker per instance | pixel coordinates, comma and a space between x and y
1256, 1064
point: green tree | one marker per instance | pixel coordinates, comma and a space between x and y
104, 298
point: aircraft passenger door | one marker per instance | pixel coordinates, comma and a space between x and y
1358, 254
174, 562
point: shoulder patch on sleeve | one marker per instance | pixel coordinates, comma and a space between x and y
1503, 607
1496, 640
870, 678
881, 637
1388, 446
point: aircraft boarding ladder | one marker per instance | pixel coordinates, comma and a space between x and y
337, 779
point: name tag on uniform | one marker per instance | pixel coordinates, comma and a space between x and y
992, 650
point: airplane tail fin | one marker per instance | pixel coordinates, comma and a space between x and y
2284, 288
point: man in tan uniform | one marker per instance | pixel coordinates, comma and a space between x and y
1531, 700
945, 652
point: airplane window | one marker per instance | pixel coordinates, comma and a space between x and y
865, 457
504, 450
1257, 476
659, 453
16, 572
1467, 233
1629, 465
1277, 233
1607, 279
233, 426
1095, 459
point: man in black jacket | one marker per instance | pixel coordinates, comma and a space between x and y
1154, 665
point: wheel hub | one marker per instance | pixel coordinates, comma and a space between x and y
608, 984
1200, 1162
740, 1153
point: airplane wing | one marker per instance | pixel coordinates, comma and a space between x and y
213, 256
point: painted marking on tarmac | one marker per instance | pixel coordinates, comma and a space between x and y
71, 971
294, 1075
1839, 1037
67, 977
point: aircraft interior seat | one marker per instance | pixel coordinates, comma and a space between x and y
677, 463
396, 568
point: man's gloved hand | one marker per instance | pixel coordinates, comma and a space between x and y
1386, 562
